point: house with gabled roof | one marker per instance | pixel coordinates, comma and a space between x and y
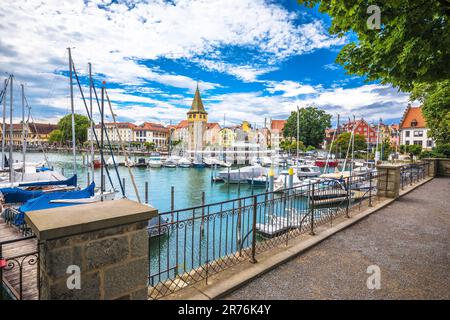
413, 128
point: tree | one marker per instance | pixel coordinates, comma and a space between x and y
312, 125
409, 51
55, 136
342, 141
291, 146
149, 146
81, 126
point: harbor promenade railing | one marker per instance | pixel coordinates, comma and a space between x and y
19, 270
191, 244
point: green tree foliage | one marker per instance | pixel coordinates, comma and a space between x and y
55, 136
81, 127
312, 123
410, 51
342, 141
149, 146
291, 146
435, 98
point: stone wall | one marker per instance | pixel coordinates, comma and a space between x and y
388, 181
113, 263
443, 167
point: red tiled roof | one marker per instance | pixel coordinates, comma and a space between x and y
277, 124
151, 126
212, 125
411, 115
120, 125
182, 124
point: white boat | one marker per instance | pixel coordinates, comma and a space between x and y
242, 174
155, 161
266, 162
307, 171
184, 163
170, 163
255, 161
282, 182
211, 162
224, 164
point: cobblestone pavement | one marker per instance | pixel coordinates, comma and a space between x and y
409, 240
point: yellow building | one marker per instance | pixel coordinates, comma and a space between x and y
227, 137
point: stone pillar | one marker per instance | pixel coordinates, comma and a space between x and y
106, 241
388, 181
432, 169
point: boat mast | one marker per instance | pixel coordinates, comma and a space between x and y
24, 142
377, 153
92, 121
298, 131
101, 141
353, 147
4, 125
73, 114
11, 170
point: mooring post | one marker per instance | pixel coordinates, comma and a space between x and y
88, 178
123, 184
146, 192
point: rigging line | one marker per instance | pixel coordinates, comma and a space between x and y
3, 93
125, 152
109, 145
37, 131
90, 119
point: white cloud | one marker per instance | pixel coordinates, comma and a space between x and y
290, 88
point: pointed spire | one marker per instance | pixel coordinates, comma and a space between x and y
197, 104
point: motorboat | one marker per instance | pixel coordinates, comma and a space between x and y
242, 174
260, 181
266, 162
198, 163
170, 162
282, 182
320, 162
255, 161
141, 163
155, 161
307, 171
224, 164
184, 163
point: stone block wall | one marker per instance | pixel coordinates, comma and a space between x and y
388, 181
114, 264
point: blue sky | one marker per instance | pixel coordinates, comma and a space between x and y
253, 59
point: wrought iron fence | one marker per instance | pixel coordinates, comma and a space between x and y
19, 271
191, 244
413, 172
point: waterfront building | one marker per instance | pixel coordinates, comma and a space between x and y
363, 128
413, 128
121, 131
227, 137
36, 133
197, 119
179, 132
276, 133
152, 132
394, 138
212, 136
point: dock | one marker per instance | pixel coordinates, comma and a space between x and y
21, 257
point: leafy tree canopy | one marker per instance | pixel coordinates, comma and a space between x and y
410, 50
55, 136
312, 125
81, 127
342, 141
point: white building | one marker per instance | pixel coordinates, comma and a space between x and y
124, 130
413, 129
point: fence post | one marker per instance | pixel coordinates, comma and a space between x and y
410, 175
312, 211
1, 271
202, 228
370, 188
348, 198
255, 209
123, 184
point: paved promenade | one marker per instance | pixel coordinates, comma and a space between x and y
409, 240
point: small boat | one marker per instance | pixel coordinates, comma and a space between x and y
198, 163
307, 171
255, 161
266, 162
155, 161
141, 163
242, 174
211, 162
97, 164
170, 163
322, 162
224, 164
184, 163
282, 182
260, 181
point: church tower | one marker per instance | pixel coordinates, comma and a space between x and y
197, 118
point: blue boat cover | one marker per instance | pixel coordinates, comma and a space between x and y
68, 182
15, 195
42, 169
44, 201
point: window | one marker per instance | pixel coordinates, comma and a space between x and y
418, 133
414, 123
407, 143
407, 133
429, 143
417, 142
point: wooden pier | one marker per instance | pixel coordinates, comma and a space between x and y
20, 273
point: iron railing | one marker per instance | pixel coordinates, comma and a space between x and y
413, 172
19, 271
191, 244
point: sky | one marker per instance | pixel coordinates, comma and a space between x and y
252, 59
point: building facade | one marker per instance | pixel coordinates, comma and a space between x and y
35, 133
121, 131
276, 133
413, 128
152, 132
197, 119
